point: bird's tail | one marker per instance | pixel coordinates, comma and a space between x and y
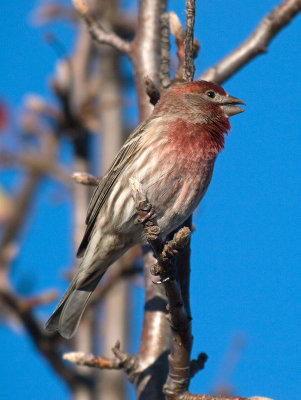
67, 315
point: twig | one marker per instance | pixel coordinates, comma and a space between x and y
89, 360
198, 364
41, 299
97, 31
122, 361
85, 179
189, 67
179, 35
256, 43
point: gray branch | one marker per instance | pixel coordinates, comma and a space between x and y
256, 44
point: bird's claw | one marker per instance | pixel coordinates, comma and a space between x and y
148, 213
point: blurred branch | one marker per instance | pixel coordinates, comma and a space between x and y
165, 80
50, 11
118, 274
22, 203
46, 344
97, 31
256, 43
85, 179
228, 364
40, 299
37, 163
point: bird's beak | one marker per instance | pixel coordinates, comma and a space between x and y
229, 105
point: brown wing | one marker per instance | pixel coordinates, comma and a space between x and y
103, 189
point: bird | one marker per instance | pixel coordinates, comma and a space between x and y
172, 155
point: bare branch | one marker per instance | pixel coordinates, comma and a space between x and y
89, 360
181, 369
46, 344
146, 50
179, 359
198, 364
256, 43
189, 67
41, 299
179, 35
12, 227
97, 31
37, 163
122, 361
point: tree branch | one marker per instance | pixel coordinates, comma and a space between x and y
256, 43
97, 31
189, 67
122, 361
181, 369
85, 179
46, 344
179, 35
179, 358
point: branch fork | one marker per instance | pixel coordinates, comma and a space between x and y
122, 361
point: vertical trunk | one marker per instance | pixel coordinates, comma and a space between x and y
155, 336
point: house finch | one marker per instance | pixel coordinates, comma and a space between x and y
172, 155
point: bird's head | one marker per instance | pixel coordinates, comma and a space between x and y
208, 99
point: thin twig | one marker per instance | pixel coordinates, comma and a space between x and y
189, 67
257, 43
85, 179
179, 35
122, 361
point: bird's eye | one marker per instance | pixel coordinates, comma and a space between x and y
210, 94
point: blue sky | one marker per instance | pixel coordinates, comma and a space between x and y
246, 247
